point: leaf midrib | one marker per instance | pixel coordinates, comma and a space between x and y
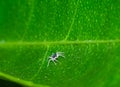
58, 42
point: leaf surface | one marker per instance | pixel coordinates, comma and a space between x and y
87, 31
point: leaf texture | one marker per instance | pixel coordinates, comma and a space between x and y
88, 32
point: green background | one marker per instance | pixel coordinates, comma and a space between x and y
87, 31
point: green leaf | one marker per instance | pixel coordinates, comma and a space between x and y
11, 79
87, 31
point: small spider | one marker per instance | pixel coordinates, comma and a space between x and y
54, 57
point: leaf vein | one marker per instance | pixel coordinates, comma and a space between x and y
19, 43
73, 20
41, 64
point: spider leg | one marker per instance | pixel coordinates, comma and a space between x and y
49, 62
57, 61
54, 62
61, 54
49, 57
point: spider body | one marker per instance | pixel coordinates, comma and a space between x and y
54, 57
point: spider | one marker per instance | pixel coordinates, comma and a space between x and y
54, 57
